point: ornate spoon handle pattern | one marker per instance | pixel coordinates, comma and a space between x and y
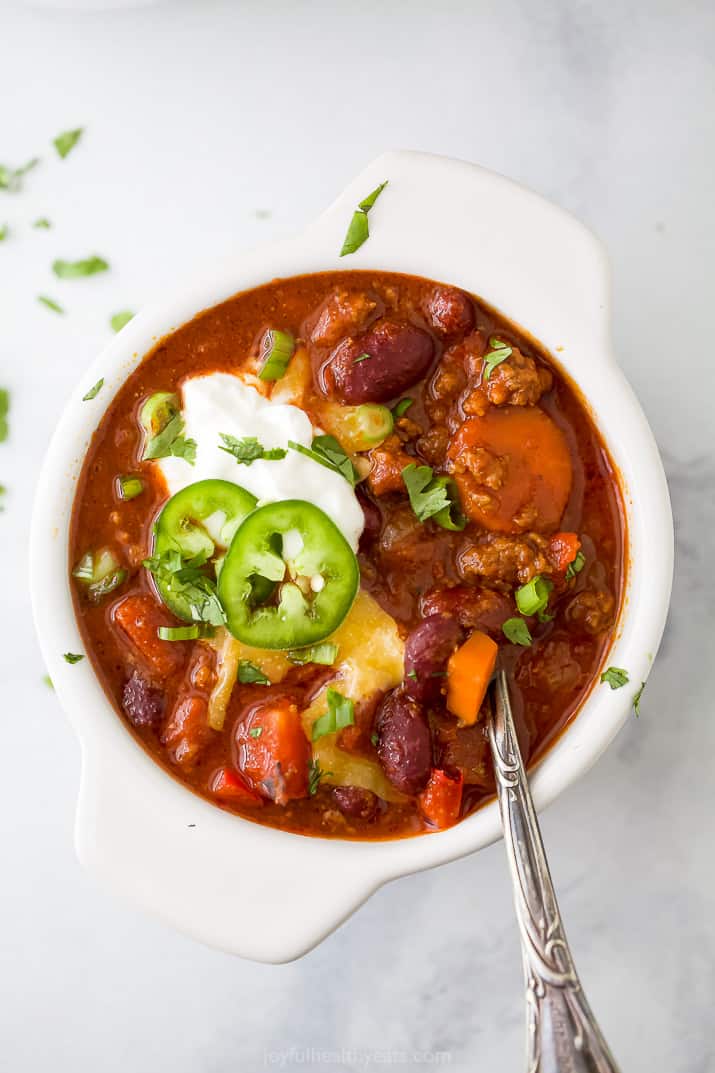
562, 1033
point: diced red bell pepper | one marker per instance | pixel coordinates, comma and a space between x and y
441, 799
563, 549
139, 617
187, 730
228, 786
273, 751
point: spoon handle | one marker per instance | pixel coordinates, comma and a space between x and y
562, 1035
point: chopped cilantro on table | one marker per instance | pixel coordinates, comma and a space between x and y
65, 142
4, 410
11, 178
50, 303
119, 320
88, 266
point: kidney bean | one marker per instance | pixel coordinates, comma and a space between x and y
404, 743
355, 802
143, 705
427, 650
399, 354
449, 312
473, 608
373, 520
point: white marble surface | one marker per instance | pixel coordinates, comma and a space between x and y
198, 116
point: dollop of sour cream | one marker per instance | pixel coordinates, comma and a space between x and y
222, 403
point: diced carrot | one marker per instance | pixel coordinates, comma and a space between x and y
468, 672
273, 751
537, 476
563, 549
229, 786
139, 616
441, 799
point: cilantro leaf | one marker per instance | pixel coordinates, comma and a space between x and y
615, 677
533, 598
340, 714
183, 578
327, 451
89, 266
499, 352
433, 497
248, 449
94, 391
72, 657
171, 441
249, 673
65, 142
517, 631
315, 774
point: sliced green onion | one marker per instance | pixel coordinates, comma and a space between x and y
361, 358
157, 412
325, 654
516, 631
185, 633
367, 202
42, 223
277, 349
72, 657
340, 714
401, 408
534, 596
368, 425
129, 487
358, 232
4, 232
101, 572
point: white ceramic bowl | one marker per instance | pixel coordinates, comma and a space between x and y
263, 893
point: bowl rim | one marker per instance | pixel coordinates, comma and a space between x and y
558, 274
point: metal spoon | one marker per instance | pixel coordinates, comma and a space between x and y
562, 1035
